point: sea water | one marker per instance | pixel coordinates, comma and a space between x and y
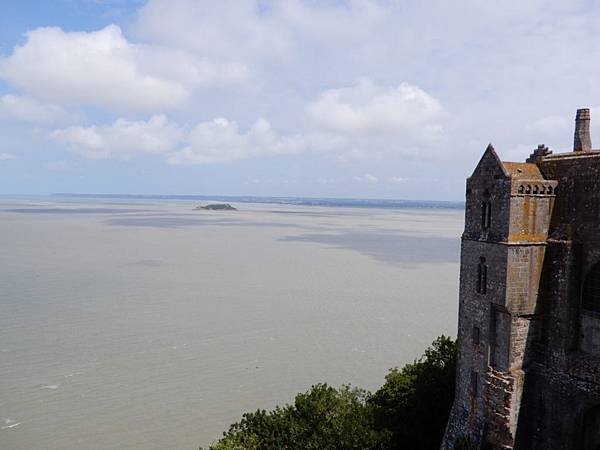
144, 324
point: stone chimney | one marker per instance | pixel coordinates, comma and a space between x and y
582, 141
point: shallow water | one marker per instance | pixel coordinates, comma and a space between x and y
147, 325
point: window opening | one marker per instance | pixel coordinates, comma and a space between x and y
591, 289
486, 214
474, 382
475, 335
482, 276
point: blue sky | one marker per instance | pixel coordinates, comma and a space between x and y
363, 98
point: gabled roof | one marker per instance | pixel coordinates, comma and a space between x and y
522, 171
490, 162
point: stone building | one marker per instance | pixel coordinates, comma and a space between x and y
528, 374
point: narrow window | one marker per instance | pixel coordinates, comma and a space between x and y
474, 382
482, 276
483, 214
591, 290
475, 335
486, 215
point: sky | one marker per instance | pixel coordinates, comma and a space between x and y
359, 98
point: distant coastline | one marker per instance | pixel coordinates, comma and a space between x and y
300, 201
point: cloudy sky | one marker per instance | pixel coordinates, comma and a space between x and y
356, 98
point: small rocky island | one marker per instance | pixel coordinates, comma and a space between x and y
217, 207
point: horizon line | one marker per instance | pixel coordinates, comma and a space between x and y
298, 200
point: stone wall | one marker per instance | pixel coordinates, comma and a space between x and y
528, 374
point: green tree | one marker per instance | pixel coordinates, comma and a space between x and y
414, 403
408, 412
323, 418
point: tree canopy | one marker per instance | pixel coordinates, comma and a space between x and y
408, 412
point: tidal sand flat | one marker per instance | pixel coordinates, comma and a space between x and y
148, 325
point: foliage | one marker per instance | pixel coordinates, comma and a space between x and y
465, 443
322, 418
408, 412
415, 401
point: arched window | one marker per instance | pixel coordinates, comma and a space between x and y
482, 276
591, 289
521, 189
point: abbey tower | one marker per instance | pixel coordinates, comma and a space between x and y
528, 374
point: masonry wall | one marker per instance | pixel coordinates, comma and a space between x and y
562, 386
474, 331
563, 382
481, 312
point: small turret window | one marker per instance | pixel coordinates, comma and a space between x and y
482, 276
591, 289
486, 214
475, 335
474, 382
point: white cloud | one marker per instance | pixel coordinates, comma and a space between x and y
335, 25
396, 180
26, 109
372, 121
362, 121
97, 68
257, 31
367, 177
4, 156
221, 140
122, 138
102, 68
233, 30
366, 108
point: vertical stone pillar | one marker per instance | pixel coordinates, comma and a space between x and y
582, 141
